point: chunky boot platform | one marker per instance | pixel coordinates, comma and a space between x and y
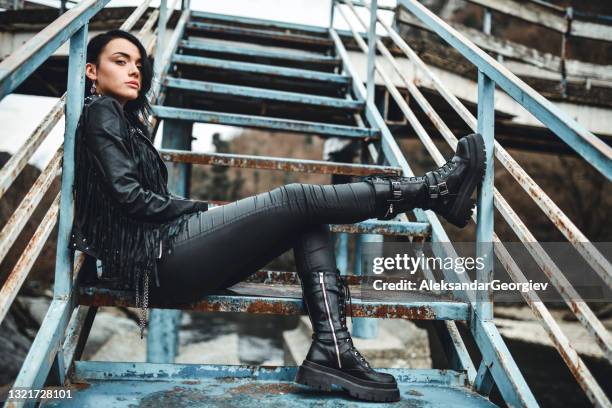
332, 358
446, 190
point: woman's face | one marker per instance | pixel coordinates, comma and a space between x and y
118, 71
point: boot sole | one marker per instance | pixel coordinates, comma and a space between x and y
461, 211
321, 377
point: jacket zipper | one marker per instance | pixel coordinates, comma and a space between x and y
331, 326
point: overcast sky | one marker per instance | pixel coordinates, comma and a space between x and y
20, 114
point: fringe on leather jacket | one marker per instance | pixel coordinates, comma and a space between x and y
125, 215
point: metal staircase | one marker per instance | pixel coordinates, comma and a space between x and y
278, 77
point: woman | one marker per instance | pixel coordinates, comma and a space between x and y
146, 237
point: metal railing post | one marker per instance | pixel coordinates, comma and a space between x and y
370, 84
74, 103
486, 21
341, 242
331, 13
164, 325
364, 327
484, 224
64, 256
161, 34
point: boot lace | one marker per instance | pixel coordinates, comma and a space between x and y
345, 293
446, 168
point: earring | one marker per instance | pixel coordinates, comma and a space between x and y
92, 90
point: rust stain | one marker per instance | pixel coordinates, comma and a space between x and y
245, 161
259, 390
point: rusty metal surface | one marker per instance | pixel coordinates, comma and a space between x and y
111, 384
279, 292
582, 311
387, 228
579, 308
574, 363
270, 276
12, 168
275, 163
43, 354
594, 150
250, 297
24, 211
24, 264
508, 378
546, 204
292, 278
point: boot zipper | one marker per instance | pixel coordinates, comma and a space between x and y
331, 326
389, 210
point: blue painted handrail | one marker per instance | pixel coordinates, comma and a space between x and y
488, 196
19, 65
579, 138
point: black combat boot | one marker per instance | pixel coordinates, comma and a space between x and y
332, 358
446, 190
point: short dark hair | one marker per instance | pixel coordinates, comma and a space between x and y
139, 109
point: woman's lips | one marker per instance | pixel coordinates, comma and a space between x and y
132, 84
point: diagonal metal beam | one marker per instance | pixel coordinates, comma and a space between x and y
18, 66
585, 143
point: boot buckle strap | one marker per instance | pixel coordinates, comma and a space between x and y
341, 334
396, 196
443, 188
396, 190
438, 189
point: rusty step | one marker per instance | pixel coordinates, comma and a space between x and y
286, 299
276, 163
104, 383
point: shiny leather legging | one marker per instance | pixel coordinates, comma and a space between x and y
226, 244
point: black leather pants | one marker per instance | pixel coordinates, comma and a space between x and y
226, 244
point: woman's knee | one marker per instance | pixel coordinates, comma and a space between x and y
294, 191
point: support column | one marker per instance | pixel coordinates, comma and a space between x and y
162, 338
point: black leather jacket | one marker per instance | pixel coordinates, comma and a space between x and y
120, 185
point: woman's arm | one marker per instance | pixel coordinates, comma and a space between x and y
105, 137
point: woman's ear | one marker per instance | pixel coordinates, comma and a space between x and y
90, 71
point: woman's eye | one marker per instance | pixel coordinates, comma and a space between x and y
120, 62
